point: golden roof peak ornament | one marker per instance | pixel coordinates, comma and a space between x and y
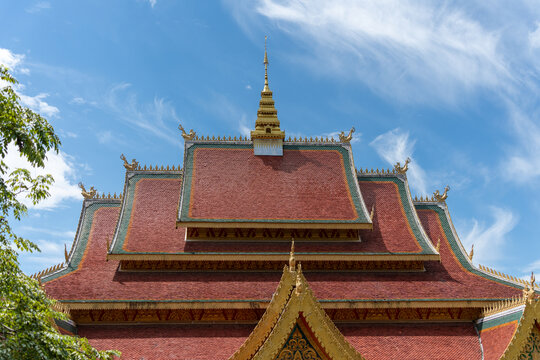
441, 198
186, 136
292, 260
402, 169
267, 137
134, 163
346, 138
90, 194
471, 254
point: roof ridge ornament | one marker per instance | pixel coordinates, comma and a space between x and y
186, 136
402, 169
441, 198
90, 194
471, 254
292, 260
134, 163
346, 138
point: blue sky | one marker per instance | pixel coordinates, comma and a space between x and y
453, 85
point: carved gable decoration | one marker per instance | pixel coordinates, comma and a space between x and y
525, 344
295, 327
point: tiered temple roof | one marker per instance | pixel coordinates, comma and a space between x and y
188, 263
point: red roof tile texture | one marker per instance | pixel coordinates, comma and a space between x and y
495, 340
300, 185
99, 279
194, 342
374, 341
414, 341
153, 225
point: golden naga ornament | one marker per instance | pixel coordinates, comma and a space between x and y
402, 169
441, 198
346, 138
134, 163
90, 194
187, 136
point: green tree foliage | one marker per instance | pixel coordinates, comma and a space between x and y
27, 329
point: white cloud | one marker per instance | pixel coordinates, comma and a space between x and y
105, 137
78, 100
157, 117
404, 49
534, 37
38, 6
394, 146
37, 104
9, 59
522, 164
248, 87
489, 241
68, 234
152, 3
60, 166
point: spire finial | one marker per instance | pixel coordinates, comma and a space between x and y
292, 260
266, 88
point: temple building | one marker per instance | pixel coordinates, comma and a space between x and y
272, 247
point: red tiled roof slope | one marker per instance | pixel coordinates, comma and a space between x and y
495, 340
182, 342
414, 341
152, 225
373, 341
231, 183
99, 279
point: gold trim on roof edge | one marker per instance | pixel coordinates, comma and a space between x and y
293, 299
530, 316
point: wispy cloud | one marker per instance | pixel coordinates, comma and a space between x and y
409, 50
394, 146
38, 6
152, 3
489, 240
60, 166
534, 37
158, 117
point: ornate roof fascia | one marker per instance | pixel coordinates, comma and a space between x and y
524, 337
293, 300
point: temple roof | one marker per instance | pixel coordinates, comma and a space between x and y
310, 186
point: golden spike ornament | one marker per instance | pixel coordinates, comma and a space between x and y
441, 198
471, 254
402, 169
66, 255
346, 138
299, 284
134, 163
438, 247
528, 290
186, 136
90, 194
292, 260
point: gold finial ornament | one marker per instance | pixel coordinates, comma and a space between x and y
528, 290
299, 284
438, 247
346, 138
186, 136
402, 169
267, 137
90, 194
471, 254
441, 198
66, 255
292, 260
134, 163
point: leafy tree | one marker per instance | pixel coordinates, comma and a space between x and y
27, 329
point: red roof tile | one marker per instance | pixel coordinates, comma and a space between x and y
194, 342
99, 279
213, 342
306, 184
495, 340
414, 341
152, 225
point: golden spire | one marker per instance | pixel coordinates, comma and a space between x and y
266, 88
292, 260
267, 123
